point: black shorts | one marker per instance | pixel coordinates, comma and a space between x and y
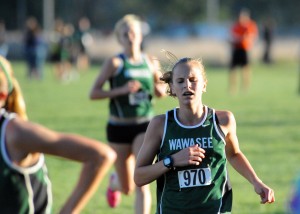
239, 58
119, 133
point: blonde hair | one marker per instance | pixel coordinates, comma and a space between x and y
127, 20
167, 76
15, 101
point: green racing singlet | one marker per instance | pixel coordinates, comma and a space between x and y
194, 189
134, 104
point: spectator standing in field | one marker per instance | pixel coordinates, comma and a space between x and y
35, 49
3, 43
65, 54
25, 186
193, 143
56, 47
83, 38
267, 36
243, 33
134, 80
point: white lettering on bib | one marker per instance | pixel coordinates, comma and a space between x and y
194, 177
137, 98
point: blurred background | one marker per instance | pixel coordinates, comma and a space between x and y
187, 28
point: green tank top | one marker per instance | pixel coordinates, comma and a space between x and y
194, 189
23, 190
135, 104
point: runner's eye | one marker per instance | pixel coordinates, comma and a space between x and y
179, 80
193, 79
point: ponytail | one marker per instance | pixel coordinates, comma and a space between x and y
15, 101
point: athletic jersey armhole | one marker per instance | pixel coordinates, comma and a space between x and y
165, 128
24, 170
217, 127
5, 118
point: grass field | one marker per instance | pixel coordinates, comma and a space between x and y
268, 121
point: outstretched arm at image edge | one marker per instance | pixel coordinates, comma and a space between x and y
96, 157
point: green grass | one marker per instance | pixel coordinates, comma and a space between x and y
268, 124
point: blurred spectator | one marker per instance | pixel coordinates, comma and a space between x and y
55, 38
267, 36
83, 39
66, 71
35, 49
3, 44
243, 32
64, 51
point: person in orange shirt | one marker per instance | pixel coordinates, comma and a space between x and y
244, 33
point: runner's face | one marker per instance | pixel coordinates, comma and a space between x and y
188, 83
131, 35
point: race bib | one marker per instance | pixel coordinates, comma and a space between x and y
194, 177
137, 98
